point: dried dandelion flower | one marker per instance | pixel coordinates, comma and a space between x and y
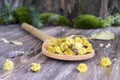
60, 40
69, 52
58, 50
82, 51
63, 46
105, 62
90, 50
77, 46
8, 65
78, 40
35, 67
82, 67
69, 41
51, 49
86, 43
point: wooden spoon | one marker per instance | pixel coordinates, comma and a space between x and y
44, 37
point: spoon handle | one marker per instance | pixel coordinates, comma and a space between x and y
35, 32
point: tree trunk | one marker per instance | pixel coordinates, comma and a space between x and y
104, 8
70, 8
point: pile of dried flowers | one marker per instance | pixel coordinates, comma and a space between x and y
72, 45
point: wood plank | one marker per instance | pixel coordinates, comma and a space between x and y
55, 69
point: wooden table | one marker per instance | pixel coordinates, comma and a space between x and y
56, 69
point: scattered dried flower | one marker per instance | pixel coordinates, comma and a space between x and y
8, 65
82, 67
35, 67
105, 61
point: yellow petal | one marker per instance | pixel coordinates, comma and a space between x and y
35, 67
51, 49
69, 41
58, 50
82, 67
63, 46
82, 51
78, 40
105, 62
8, 65
77, 46
69, 52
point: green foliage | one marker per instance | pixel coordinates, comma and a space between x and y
87, 22
108, 21
116, 20
23, 15
35, 17
1, 21
54, 19
112, 20
7, 14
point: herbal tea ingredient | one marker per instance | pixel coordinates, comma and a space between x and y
82, 67
8, 65
35, 67
105, 61
72, 45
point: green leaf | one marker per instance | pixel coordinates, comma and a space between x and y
106, 35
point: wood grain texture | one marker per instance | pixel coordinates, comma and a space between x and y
55, 69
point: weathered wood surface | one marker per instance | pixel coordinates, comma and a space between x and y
56, 69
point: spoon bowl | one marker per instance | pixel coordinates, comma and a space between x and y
46, 38
64, 57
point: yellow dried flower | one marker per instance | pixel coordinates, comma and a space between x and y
82, 51
51, 49
77, 46
90, 50
105, 62
78, 40
82, 67
58, 50
69, 52
86, 43
35, 67
60, 40
8, 65
69, 41
63, 46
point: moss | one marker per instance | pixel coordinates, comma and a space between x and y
23, 15
54, 19
87, 22
1, 21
